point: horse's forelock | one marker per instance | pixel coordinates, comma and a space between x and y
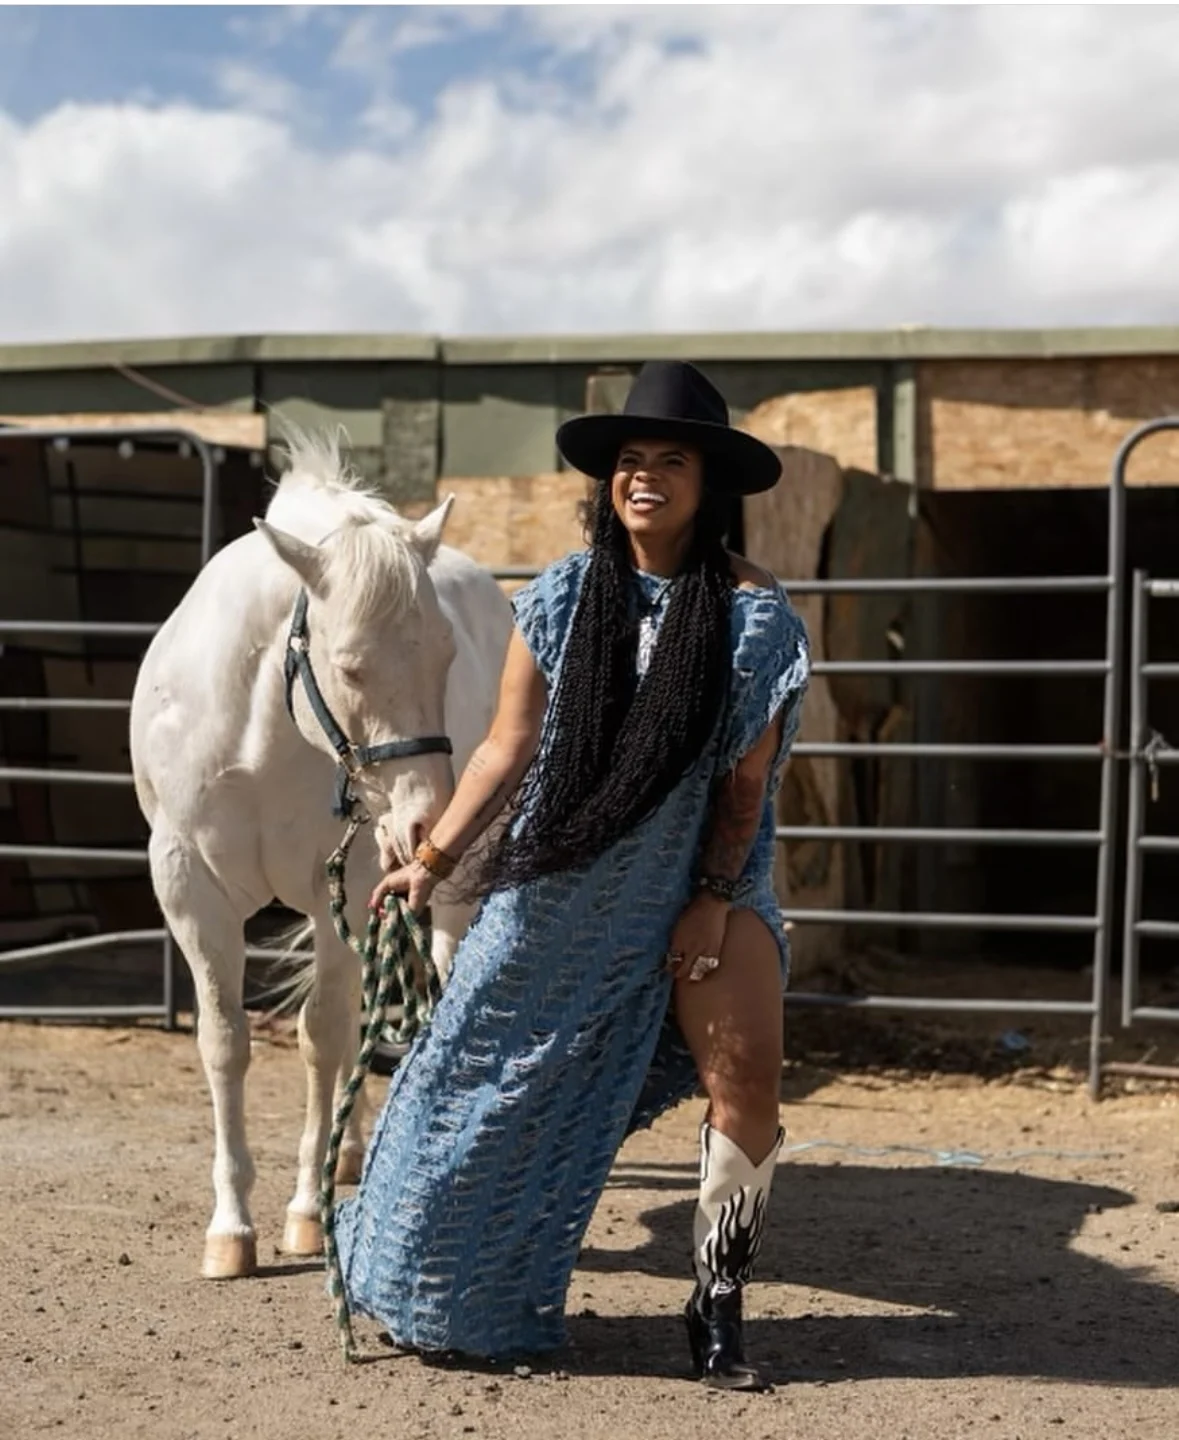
321, 499
375, 569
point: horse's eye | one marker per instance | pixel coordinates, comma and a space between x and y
351, 675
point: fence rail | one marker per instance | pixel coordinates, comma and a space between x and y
1109, 667
186, 443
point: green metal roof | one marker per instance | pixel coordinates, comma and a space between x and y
217, 350
914, 342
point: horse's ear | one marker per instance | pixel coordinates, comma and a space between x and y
307, 561
427, 533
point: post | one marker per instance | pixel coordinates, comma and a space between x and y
1134, 825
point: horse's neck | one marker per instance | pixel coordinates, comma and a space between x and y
241, 624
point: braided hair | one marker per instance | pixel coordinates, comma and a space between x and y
614, 746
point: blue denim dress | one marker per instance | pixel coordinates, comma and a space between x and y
554, 1038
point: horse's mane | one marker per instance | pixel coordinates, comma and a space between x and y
324, 500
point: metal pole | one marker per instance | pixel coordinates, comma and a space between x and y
909, 585
1133, 896
936, 750
1107, 811
208, 504
1148, 1072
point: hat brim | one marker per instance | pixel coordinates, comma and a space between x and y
743, 465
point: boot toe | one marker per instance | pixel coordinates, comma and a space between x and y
739, 1377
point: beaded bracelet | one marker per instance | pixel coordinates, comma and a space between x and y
718, 885
441, 865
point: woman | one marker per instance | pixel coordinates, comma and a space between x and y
649, 697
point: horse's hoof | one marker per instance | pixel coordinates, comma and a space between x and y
302, 1236
229, 1257
349, 1166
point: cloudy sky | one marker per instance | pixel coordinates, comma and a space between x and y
173, 171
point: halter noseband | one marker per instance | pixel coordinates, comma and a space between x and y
352, 758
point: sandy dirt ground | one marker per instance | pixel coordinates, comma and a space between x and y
950, 1255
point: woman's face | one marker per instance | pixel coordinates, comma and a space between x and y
657, 488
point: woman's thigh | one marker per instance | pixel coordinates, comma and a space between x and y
732, 1019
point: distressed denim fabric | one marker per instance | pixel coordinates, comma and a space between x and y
553, 1039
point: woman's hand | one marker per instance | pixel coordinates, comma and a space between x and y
695, 947
413, 881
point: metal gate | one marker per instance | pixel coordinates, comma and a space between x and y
1150, 753
165, 1008
1146, 754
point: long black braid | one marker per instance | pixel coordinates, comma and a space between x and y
615, 747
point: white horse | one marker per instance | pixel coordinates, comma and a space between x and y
405, 641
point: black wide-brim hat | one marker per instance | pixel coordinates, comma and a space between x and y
672, 400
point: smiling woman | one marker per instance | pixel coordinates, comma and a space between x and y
656, 491
630, 945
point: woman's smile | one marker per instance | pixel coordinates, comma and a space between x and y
656, 492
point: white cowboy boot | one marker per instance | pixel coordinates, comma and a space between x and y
727, 1233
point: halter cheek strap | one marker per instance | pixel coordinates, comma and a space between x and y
352, 758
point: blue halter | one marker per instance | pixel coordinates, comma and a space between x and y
352, 758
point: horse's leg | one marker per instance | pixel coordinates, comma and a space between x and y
329, 1028
351, 1161
450, 920
209, 932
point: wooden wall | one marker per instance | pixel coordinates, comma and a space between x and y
514, 521
1042, 424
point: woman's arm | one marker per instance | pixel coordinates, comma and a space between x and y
732, 828
491, 777
737, 807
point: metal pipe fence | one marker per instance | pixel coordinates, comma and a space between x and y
165, 1009
1110, 667
1104, 753
1149, 752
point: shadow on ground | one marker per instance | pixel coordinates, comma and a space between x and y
983, 1256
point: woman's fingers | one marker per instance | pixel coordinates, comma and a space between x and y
397, 882
419, 896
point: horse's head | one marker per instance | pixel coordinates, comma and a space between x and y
380, 649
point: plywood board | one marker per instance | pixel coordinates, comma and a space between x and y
784, 531
1043, 424
837, 423
229, 428
515, 520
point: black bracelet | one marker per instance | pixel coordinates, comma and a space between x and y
717, 885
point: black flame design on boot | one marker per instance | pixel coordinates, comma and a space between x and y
730, 1223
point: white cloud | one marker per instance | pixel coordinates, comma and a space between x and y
251, 87
370, 40
776, 167
271, 26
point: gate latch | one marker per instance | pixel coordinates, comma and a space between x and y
1153, 748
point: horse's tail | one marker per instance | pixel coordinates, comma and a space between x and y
291, 973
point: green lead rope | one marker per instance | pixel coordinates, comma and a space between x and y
393, 940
